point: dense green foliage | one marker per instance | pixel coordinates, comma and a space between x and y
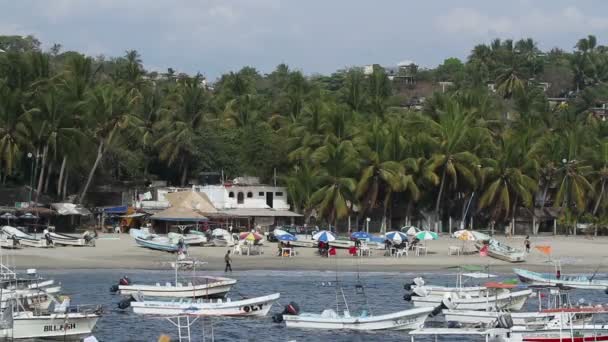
343, 144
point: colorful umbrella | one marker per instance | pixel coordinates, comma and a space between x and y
464, 235
360, 235
427, 235
324, 236
396, 237
250, 236
286, 237
412, 230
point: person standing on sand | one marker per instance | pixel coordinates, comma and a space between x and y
228, 260
527, 243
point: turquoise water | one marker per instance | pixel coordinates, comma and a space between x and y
313, 291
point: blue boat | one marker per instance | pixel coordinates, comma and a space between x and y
153, 241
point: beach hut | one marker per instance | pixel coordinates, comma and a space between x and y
186, 207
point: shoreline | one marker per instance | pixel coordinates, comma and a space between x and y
578, 255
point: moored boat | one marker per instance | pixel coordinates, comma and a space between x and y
547, 279
330, 320
494, 299
258, 306
200, 286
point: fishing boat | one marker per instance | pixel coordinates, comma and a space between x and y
556, 299
462, 279
547, 279
9, 243
189, 239
68, 240
258, 306
497, 297
222, 238
330, 320
153, 241
23, 238
342, 243
501, 251
200, 286
73, 325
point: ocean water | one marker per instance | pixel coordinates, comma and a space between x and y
313, 291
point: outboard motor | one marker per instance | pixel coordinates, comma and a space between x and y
48, 239
114, 288
124, 281
437, 310
125, 302
292, 309
606, 291
408, 286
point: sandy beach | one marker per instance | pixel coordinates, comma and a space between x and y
580, 254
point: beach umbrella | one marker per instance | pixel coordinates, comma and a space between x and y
396, 237
287, 237
427, 235
324, 236
411, 231
8, 216
464, 235
28, 216
251, 236
360, 235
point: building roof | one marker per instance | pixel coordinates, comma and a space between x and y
245, 212
179, 214
193, 200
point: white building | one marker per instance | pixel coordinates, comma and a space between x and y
244, 198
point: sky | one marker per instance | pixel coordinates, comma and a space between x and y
315, 36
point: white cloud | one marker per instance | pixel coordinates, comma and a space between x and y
533, 21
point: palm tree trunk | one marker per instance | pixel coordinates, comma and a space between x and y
48, 177
65, 183
438, 202
61, 173
42, 168
92, 172
184, 173
599, 198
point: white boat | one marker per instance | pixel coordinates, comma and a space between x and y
64, 326
258, 306
24, 238
330, 320
68, 240
341, 243
9, 243
547, 279
200, 286
307, 243
461, 279
189, 239
153, 241
222, 238
495, 299
501, 251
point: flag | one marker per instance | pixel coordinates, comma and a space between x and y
545, 249
484, 251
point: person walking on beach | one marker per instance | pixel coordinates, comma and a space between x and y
228, 260
527, 243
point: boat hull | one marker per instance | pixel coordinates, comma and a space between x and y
217, 287
503, 252
543, 279
159, 246
66, 240
472, 317
402, 320
342, 244
258, 307
504, 301
55, 326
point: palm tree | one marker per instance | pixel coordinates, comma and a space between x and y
508, 179
337, 161
109, 112
455, 136
599, 156
178, 129
301, 183
14, 135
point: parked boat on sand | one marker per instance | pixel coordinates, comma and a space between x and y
153, 241
501, 251
24, 238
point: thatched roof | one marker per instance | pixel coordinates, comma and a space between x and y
179, 214
193, 200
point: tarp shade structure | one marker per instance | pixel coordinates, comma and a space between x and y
116, 210
70, 209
